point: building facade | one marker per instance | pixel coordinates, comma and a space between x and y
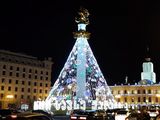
134, 96
23, 79
145, 92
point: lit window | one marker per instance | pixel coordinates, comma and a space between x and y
23, 75
22, 90
125, 99
149, 91
10, 81
16, 81
9, 88
4, 66
11, 67
30, 70
10, 74
22, 96
144, 91
3, 80
149, 99
156, 91
4, 73
2, 87
17, 74
144, 99
29, 89
46, 91
29, 76
40, 91
35, 84
46, 73
23, 82
28, 97
34, 90
29, 83
16, 89
2, 95
34, 97
156, 99
139, 99
15, 96
17, 68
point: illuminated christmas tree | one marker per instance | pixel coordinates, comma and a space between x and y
81, 77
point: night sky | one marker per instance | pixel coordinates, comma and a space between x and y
121, 31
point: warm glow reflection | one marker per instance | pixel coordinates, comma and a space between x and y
157, 95
117, 96
9, 96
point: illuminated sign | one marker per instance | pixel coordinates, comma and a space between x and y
73, 104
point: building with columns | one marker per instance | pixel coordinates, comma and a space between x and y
145, 92
23, 79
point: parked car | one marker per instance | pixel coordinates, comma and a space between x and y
43, 112
121, 114
6, 112
153, 113
111, 113
99, 115
28, 116
88, 115
134, 116
78, 114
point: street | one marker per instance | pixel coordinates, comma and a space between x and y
61, 117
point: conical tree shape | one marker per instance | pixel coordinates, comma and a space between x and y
81, 77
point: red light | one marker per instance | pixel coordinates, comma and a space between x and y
82, 118
73, 118
13, 116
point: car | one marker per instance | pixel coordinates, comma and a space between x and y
28, 116
42, 111
6, 112
110, 114
78, 114
153, 113
134, 115
88, 115
99, 114
121, 114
